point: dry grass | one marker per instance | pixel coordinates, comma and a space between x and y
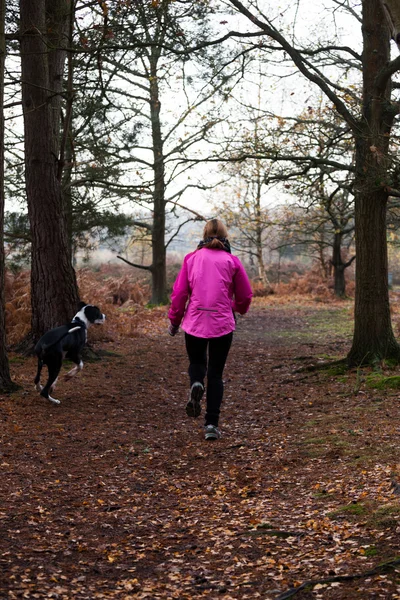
18, 306
122, 298
311, 284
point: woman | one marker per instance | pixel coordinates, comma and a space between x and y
217, 286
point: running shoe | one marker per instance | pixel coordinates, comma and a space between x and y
193, 408
212, 432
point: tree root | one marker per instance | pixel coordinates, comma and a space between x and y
8, 387
382, 568
322, 366
25, 346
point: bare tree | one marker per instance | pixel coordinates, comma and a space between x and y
171, 94
371, 125
322, 225
6, 384
246, 194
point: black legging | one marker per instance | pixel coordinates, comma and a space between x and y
218, 349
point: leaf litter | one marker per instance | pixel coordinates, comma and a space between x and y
115, 494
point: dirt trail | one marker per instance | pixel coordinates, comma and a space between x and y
115, 494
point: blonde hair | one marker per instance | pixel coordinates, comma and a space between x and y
216, 230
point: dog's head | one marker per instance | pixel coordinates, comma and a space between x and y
90, 314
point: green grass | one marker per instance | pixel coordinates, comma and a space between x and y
336, 370
353, 509
16, 359
317, 440
386, 517
320, 322
151, 305
377, 381
372, 551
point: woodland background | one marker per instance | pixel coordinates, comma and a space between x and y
124, 122
125, 125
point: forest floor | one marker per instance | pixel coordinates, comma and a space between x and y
115, 493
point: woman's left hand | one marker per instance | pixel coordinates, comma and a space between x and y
173, 330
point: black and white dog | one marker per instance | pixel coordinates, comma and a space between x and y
65, 341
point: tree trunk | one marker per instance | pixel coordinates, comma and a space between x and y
6, 384
258, 224
158, 268
392, 11
338, 267
57, 22
339, 282
53, 283
66, 151
373, 333
260, 260
261, 268
324, 264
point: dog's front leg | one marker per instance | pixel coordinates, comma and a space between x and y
54, 400
74, 371
47, 393
48, 390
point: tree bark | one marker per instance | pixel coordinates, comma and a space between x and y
338, 266
6, 384
391, 9
158, 268
53, 283
373, 333
258, 220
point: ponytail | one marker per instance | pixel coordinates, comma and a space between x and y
215, 236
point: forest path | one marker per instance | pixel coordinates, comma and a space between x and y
115, 493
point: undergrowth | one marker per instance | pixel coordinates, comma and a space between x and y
124, 299
120, 295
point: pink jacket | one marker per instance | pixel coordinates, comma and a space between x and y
216, 284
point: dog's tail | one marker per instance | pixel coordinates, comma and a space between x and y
64, 335
71, 330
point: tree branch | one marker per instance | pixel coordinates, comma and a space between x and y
300, 63
142, 224
149, 268
387, 72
